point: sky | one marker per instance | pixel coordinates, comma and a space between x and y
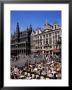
35, 18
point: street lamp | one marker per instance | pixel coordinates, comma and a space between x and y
16, 47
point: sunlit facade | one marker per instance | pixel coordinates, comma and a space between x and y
46, 39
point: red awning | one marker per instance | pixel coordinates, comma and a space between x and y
56, 50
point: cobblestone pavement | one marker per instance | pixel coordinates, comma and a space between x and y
22, 60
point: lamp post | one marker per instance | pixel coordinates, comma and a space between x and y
16, 47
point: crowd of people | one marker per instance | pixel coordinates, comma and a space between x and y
45, 69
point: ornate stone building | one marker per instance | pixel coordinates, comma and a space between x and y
46, 39
20, 41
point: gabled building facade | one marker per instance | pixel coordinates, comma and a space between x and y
20, 41
46, 39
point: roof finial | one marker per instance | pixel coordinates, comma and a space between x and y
55, 22
30, 27
17, 24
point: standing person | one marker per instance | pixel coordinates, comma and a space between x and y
54, 76
47, 58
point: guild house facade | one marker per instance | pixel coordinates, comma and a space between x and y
46, 39
20, 41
